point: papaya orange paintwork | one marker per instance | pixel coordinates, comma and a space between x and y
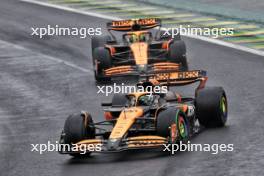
126, 119
140, 52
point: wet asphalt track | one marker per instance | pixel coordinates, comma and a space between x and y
37, 93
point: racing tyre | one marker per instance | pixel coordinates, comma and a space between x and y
77, 128
99, 41
172, 122
167, 35
177, 54
102, 61
211, 107
119, 100
170, 95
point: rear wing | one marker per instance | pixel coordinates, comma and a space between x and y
134, 24
175, 78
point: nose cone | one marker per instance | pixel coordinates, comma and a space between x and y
113, 144
140, 52
142, 68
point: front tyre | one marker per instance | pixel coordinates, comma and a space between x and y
173, 123
211, 107
78, 127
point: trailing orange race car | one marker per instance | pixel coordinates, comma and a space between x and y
138, 51
143, 120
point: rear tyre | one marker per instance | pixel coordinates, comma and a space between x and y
167, 35
177, 54
173, 123
170, 95
211, 107
77, 128
102, 60
119, 100
99, 41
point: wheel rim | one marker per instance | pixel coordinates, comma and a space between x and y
183, 132
223, 107
96, 67
174, 132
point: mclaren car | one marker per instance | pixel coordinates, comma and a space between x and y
144, 47
144, 120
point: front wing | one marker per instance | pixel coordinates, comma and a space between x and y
115, 145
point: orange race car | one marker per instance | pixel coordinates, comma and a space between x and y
140, 50
143, 120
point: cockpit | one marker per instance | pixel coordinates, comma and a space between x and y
134, 37
142, 100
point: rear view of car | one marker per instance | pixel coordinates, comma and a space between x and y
140, 51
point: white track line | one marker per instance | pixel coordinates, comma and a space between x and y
70, 9
210, 40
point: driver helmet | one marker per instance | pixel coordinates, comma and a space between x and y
145, 100
133, 38
142, 38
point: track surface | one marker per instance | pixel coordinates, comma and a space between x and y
37, 93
